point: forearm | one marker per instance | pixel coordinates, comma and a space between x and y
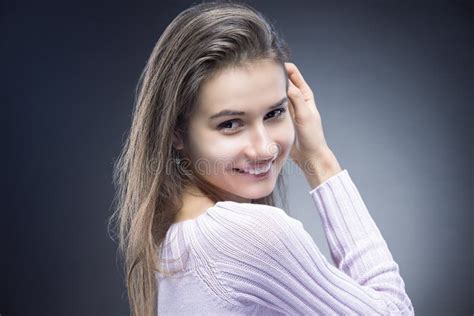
357, 246
320, 167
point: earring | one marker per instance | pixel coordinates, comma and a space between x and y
178, 161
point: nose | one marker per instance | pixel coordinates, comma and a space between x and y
262, 147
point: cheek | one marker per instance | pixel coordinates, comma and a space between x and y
214, 151
285, 136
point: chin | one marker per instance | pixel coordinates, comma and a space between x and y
255, 193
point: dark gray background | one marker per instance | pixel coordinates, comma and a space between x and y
394, 85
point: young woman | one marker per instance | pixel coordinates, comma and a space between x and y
219, 110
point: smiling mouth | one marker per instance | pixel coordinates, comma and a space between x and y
256, 172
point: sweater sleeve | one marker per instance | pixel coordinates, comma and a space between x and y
272, 260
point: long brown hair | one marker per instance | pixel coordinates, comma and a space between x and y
200, 41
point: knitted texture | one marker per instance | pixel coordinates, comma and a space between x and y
252, 259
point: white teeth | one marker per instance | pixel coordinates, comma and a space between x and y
259, 171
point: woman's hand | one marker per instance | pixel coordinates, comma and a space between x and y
310, 150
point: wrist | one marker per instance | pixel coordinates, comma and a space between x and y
320, 167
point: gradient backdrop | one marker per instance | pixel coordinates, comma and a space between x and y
394, 85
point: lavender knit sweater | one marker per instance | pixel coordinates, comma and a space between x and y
251, 259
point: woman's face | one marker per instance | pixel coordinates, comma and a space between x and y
259, 136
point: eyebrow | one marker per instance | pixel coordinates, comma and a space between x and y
240, 113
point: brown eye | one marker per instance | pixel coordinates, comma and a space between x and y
279, 112
227, 125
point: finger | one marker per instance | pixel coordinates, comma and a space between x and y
291, 109
299, 105
297, 78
